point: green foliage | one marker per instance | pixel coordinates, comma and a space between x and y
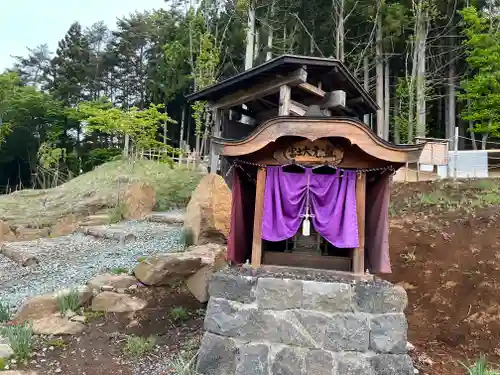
69, 301
3, 364
480, 367
140, 125
138, 346
117, 214
5, 313
482, 87
179, 314
119, 271
99, 156
57, 343
187, 237
20, 339
91, 315
183, 364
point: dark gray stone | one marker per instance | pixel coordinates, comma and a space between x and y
217, 355
353, 364
390, 364
226, 318
289, 361
319, 362
232, 287
327, 297
389, 333
347, 332
253, 359
380, 298
314, 323
280, 327
279, 294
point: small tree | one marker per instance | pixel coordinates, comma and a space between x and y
482, 87
141, 126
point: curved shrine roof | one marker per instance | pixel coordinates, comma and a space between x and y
313, 128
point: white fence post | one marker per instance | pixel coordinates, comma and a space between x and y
455, 147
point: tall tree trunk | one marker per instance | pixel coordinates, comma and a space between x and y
397, 111
366, 83
451, 97
379, 61
421, 38
471, 128
270, 31
386, 100
339, 35
250, 46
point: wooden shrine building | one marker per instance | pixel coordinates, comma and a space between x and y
310, 181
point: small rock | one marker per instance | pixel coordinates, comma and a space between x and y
78, 318
114, 302
410, 347
69, 314
5, 351
107, 288
103, 282
55, 325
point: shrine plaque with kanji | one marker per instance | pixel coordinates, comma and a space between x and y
307, 152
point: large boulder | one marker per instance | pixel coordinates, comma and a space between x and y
5, 349
208, 212
117, 303
39, 307
166, 269
138, 200
213, 257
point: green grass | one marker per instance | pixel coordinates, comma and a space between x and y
138, 346
57, 343
20, 339
183, 364
5, 313
119, 271
179, 314
481, 367
97, 190
2, 364
69, 301
90, 315
447, 196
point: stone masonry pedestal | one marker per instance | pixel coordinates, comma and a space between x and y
267, 325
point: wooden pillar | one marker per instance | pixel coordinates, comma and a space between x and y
214, 157
257, 221
285, 99
359, 253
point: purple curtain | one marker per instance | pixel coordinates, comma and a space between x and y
377, 224
332, 204
239, 243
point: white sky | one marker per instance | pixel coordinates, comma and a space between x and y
28, 23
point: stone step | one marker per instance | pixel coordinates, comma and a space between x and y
94, 220
101, 231
166, 217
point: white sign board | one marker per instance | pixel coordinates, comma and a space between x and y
435, 152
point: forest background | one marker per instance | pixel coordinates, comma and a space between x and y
432, 65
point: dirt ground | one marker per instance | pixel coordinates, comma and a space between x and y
445, 251
100, 349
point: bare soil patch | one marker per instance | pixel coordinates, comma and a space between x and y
100, 349
445, 251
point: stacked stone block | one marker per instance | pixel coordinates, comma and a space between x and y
271, 326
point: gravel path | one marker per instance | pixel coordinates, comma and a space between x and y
72, 260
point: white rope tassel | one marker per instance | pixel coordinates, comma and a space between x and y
306, 224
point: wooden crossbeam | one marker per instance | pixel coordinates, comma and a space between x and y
260, 91
312, 89
297, 108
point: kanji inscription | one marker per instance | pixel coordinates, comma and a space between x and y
317, 152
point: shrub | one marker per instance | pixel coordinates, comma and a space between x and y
183, 365
20, 339
138, 346
5, 314
2, 364
187, 237
179, 314
69, 301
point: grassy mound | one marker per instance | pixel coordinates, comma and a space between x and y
97, 191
